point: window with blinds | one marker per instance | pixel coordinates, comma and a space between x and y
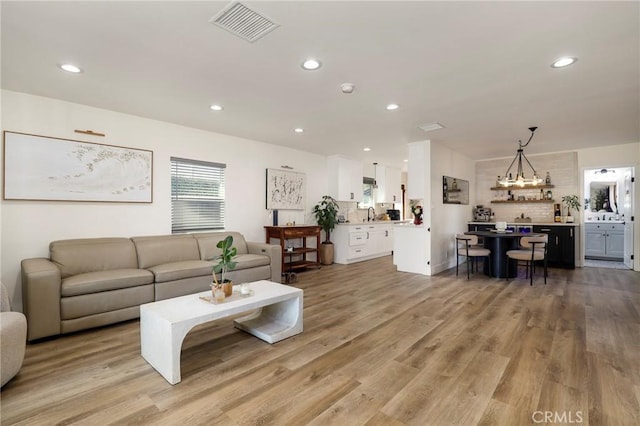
197, 195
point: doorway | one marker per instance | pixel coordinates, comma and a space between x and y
608, 217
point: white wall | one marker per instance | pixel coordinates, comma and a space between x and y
447, 220
27, 227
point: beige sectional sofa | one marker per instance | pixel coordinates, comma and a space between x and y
92, 282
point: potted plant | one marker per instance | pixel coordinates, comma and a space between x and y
572, 203
326, 213
225, 264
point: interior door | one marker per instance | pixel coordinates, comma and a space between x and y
627, 200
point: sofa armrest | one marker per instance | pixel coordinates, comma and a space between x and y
41, 286
274, 251
13, 339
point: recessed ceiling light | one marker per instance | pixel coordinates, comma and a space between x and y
405, 160
70, 68
563, 62
347, 87
366, 149
391, 107
298, 130
216, 107
311, 64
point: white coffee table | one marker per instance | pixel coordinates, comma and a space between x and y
164, 324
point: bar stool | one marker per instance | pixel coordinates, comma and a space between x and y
467, 245
532, 249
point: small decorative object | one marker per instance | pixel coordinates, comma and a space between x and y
225, 264
326, 213
549, 195
547, 180
417, 214
217, 293
572, 203
454, 185
245, 289
557, 214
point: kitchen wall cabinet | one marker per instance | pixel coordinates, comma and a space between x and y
345, 178
604, 240
388, 180
561, 249
355, 243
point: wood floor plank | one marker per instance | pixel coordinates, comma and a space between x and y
379, 347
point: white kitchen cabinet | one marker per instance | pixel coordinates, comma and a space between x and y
388, 180
345, 178
604, 240
355, 243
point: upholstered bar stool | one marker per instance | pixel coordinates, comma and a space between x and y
467, 246
532, 249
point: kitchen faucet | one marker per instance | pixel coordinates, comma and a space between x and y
369, 218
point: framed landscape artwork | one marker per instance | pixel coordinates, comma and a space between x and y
285, 190
46, 168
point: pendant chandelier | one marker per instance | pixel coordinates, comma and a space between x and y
520, 180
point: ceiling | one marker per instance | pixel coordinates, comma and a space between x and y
482, 69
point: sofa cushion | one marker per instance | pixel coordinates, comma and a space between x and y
80, 256
162, 249
95, 282
207, 242
246, 261
179, 270
107, 301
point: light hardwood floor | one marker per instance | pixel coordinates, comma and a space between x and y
379, 347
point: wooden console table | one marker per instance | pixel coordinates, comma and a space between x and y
284, 233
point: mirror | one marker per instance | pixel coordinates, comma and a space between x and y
454, 190
604, 197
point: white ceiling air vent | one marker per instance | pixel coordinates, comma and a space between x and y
431, 127
238, 19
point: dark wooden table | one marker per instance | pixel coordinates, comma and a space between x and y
284, 233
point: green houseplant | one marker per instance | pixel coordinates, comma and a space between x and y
326, 213
225, 264
573, 203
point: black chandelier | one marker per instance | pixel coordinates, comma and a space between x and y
520, 180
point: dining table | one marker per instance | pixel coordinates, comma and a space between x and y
499, 242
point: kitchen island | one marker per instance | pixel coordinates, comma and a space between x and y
563, 239
412, 248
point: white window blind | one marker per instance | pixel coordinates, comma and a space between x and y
197, 195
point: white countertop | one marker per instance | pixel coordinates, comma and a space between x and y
529, 223
604, 221
373, 222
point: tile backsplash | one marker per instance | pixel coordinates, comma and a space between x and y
563, 169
